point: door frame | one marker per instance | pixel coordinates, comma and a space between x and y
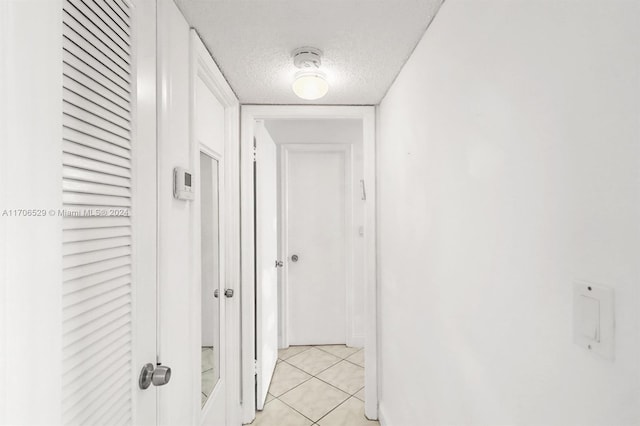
145, 208
249, 115
347, 151
203, 66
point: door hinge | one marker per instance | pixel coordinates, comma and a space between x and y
364, 190
255, 150
255, 367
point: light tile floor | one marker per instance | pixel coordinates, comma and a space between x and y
316, 385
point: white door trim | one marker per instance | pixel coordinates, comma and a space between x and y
203, 66
251, 113
347, 151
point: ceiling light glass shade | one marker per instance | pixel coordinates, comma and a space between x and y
310, 85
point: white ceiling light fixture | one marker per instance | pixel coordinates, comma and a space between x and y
310, 83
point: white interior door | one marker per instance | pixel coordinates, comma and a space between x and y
316, 187
108, 186
209, 134
212, 350
266, 256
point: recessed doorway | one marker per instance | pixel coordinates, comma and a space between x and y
323, 274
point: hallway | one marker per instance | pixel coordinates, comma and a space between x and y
168, 167
316, 385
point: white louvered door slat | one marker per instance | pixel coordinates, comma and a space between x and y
81, 366
80, 125
71, 135
92, 280
110, 10
83, 223
86, 14
89, 176
78, 39
88, 372
95, 107
96, 120
97, 227
72, 235
76, 32
86, 54
96, 150
96, 166
95, 85
101, 201
121, 326
97, 76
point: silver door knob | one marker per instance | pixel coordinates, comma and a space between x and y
216, 293
161, 375
279, 264
158, 376
294, 258
228, 292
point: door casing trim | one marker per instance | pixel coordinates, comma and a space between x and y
203, 66
249, 115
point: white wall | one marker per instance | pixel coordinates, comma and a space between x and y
509, 161
348, 131
30, 178
335, 131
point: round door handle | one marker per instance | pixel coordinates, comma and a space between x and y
145, 376
156, 375
228, 292
161, 375
294, 258
216, 293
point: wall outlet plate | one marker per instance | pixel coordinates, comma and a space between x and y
593, 318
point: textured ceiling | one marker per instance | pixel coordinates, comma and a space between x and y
365, 43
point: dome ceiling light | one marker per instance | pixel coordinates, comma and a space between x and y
310, 83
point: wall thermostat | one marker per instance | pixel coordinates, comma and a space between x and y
182, 184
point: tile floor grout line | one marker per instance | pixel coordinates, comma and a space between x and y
295, 354
324, 350
319, 371
316, 377
311, 420
351, 362
296, 386
298, 368
350, 395
333, 409
334, 386
319, 350
312, 376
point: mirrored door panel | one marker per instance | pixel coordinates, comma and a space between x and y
212, 293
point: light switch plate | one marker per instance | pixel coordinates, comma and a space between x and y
593, 318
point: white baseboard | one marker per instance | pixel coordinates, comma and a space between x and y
356, 341
382, 416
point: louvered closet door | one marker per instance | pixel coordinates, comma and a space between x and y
97, 162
